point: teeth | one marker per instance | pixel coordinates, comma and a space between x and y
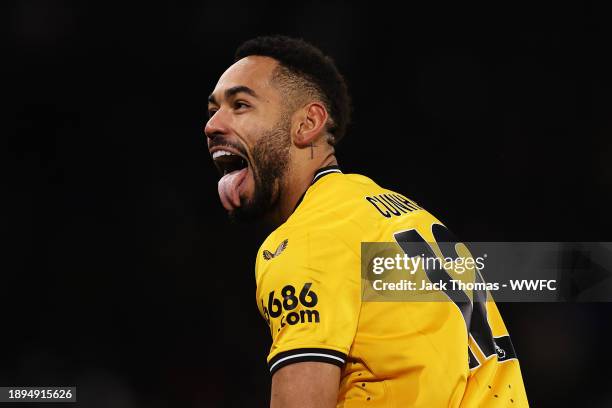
220, 153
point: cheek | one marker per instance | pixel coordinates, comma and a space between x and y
253, 138
252, 126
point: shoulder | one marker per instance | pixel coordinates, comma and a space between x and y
354, 207
315, 249
338, 213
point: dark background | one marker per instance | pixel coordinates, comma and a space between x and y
124, 277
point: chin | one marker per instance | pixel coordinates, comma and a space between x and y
247, 194
256, 202
246, 214
255, 208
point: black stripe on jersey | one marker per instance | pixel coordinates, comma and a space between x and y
306, 354
504, 348
473, 362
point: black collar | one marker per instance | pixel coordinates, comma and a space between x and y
324, 171
319, 174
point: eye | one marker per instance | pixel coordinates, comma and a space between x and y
211, 112
240, 104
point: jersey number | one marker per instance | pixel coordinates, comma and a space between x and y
475, 315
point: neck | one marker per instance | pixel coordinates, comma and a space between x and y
296, 185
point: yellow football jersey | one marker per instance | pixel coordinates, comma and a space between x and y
392, 354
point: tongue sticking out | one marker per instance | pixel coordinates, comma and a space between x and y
228, 188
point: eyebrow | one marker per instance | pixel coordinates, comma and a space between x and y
233, 91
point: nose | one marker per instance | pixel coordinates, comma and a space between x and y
215, 126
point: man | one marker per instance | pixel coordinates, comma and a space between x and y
275, 117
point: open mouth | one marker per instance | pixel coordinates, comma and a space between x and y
228, 162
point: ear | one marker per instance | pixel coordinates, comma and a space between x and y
309, 123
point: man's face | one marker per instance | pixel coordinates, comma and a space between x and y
248, 137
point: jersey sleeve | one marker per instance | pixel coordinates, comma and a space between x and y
308, 291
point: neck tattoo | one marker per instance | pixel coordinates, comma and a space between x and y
312, 146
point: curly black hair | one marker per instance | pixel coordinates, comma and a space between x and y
303, 66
